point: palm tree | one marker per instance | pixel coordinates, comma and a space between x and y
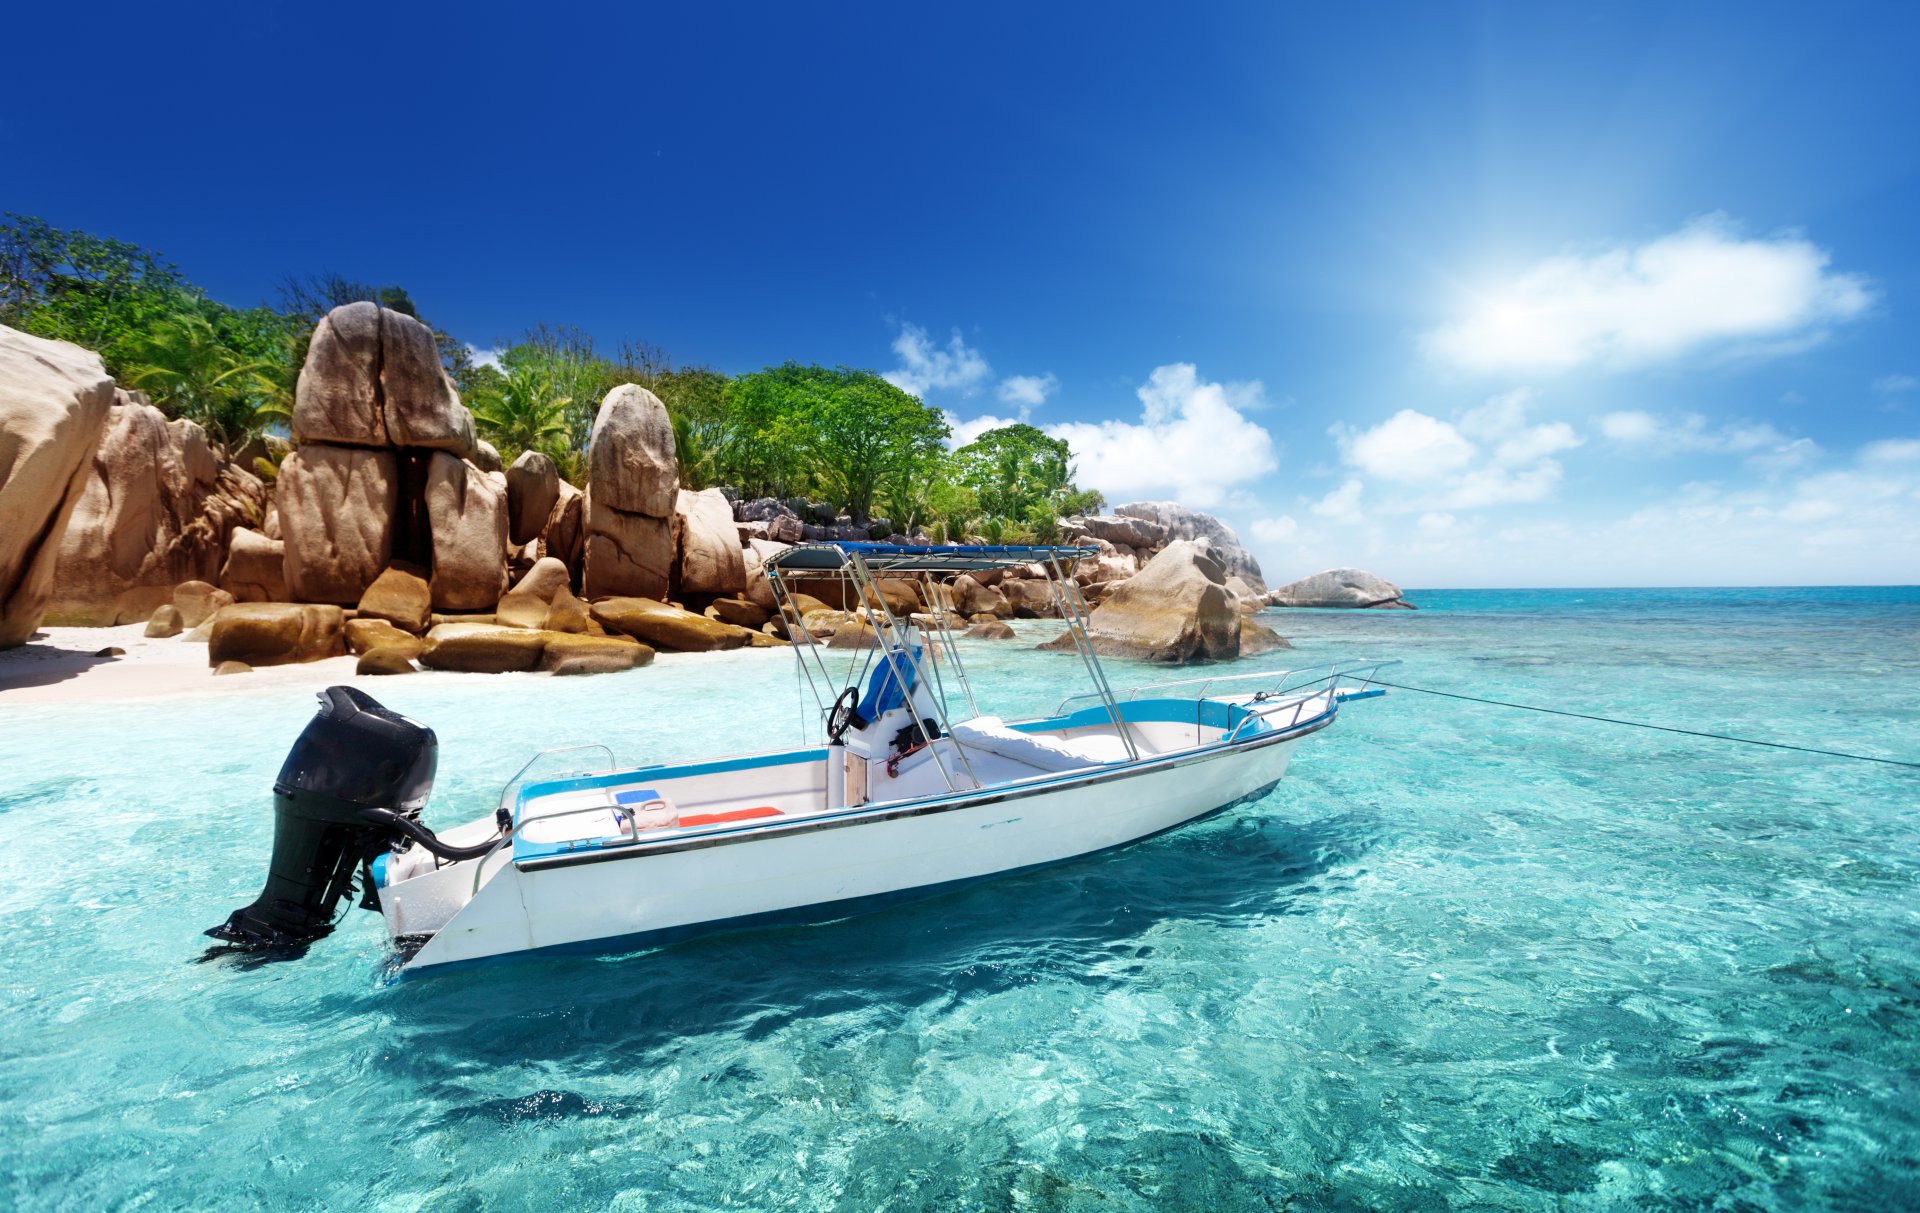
187, 369
525, 413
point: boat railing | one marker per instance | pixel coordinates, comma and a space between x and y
1265, 683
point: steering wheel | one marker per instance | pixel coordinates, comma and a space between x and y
842, 714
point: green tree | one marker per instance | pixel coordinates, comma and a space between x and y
525, 412
1024, 477
852, 436
189, 369
106, 295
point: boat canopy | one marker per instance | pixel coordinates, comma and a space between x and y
931, 558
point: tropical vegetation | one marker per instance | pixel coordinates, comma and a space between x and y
841, 435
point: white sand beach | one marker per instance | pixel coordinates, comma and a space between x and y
60, 665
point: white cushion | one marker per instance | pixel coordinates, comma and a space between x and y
1049, 753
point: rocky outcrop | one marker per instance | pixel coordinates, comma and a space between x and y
467, 512
1179, 522
1258, 638
482, 650
635, 484
400, 596
708, 556
1351, 588
387, 660
498, 650
337, 398
364, 635
165, 622
739, 612
157, 510
626, 554
337, 508
54, 401
197, 602
1029, 598
668, 627
991, 631
387, 468
1176, 609
754, 556
971, 598
373, 378
546, 578
533, 489
1125, 532
569, 655
565, 535
276, 633
256, 567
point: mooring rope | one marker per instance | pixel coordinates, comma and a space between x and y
1641, 724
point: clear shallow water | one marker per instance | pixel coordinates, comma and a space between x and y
1462, 958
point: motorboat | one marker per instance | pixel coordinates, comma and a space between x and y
909, 787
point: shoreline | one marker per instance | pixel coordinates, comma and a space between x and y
58, 666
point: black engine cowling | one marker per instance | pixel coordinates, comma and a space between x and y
354, 756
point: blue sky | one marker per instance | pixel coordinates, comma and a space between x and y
1468, 295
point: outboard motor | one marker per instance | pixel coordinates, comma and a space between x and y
353, 784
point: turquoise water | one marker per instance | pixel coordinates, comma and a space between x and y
1463, 957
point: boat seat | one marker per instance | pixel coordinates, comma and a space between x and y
1042, 750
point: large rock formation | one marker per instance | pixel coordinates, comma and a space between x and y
1354, 588
373, 378
1176, 609
276, 633
337, 508
54, 400
1179, 522
635, 484
467, 511
158, 510
1125, 532
709, 560
387, 468
533, 488
256, 568
667, 627
565, 535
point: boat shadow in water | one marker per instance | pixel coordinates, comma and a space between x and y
1088, 922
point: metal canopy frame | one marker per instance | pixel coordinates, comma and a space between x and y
862, 565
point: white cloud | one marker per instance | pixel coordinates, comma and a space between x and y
1498, 485
1343, 504
925, 367
1502, 421
1700, 289
484, 357
1027, 391
1894, 385
1409, 446
1891, 450
1786, 457
1274, 530
970, 429
1691, 434
1447, 470
1193, 441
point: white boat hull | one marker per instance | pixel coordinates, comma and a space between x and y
827, 867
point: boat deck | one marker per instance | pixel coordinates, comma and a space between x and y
669, 803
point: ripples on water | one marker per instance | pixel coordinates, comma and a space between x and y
1461, 958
